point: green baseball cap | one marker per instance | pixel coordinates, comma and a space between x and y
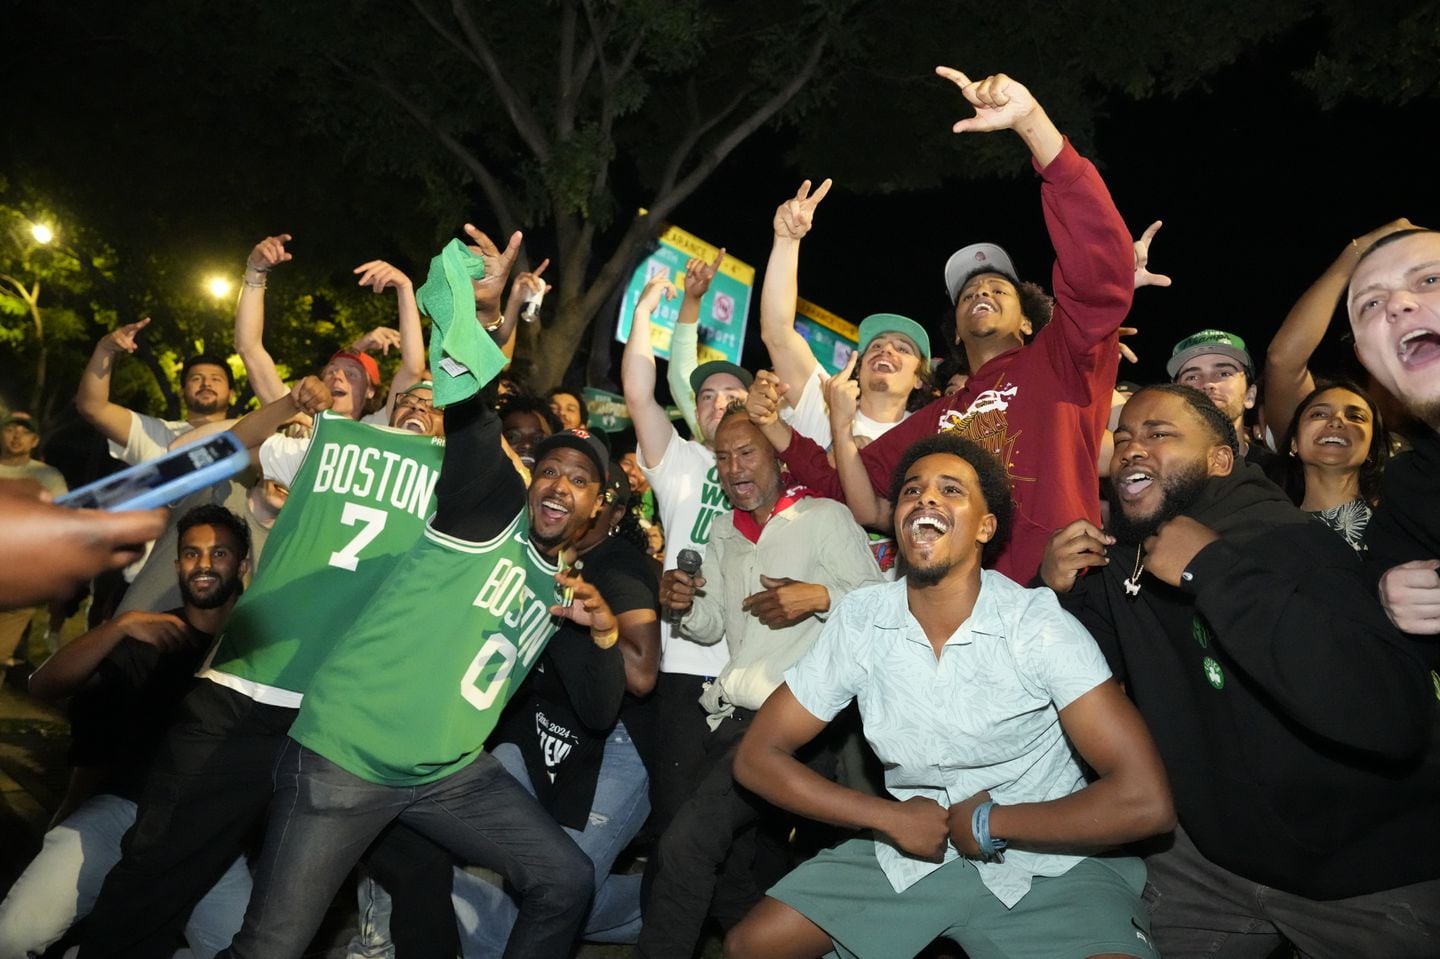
877, 324
1210, 341
704, 371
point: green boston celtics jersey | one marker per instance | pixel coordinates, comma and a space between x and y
358, 502
411, 691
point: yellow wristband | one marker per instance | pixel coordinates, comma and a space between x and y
605, 640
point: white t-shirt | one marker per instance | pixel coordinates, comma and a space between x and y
149, 437
689, 498
810, 417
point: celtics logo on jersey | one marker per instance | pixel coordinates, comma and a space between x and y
1214, 675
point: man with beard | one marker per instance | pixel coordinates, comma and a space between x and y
206, 387
981, 698
122, 679
1394, 308
1293, 720
359, 497
392, 726
774, 567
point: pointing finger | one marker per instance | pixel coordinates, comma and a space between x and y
719, 258
954, 76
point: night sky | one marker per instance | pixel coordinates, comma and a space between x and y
1258, 186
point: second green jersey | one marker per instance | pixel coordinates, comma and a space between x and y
357, 504
412, 690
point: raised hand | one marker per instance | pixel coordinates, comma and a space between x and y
1125, 351
122, 339
659, 286
528, 283
842, 396
762, 402
269, 253
1000, 103
1174, 545
1143, 276
381, 276
794, 217
698, 274
311, 395
381, 338
498, 262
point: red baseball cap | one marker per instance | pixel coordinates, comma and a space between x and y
366, 361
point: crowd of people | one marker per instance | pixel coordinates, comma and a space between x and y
962, 643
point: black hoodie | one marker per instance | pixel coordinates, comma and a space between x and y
1294, 721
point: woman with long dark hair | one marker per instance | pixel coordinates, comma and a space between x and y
1337, 452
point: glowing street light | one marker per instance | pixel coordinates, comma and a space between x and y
42, 233
219, 287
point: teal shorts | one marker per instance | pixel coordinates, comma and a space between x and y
1093, 909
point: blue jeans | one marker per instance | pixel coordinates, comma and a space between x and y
61, 883
621, 804
323, 818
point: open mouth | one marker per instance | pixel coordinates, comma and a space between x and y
742, 490
883, 365
1332, 439
1132, 484
201, 581
982, 307
553, 510
1418, 347
926, 528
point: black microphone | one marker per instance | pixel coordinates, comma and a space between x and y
688, 562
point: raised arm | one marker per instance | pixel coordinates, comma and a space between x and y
92, 396
789, 353
381, 276
637, 376
685, 339
842, 396
1004, 104
525, 285
1287, 360
264, 378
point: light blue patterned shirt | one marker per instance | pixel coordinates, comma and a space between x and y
985, 715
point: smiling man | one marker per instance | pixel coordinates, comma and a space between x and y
774, 567
1218, 364
972, 691
206, 386
1037, 397
1293, 719
1394, 307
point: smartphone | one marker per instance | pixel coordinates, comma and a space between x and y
165, 479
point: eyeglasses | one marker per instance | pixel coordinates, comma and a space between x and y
409, 401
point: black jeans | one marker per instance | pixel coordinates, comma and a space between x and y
685, 880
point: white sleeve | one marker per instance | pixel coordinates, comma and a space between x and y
149, 437
281, 456
810, 417
1056, 656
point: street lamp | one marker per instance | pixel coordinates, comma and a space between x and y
42, 233
219, 287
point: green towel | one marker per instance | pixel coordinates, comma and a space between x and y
463, 357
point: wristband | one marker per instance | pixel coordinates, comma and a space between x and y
991, 850
607, 639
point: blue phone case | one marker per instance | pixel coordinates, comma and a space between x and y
164, 479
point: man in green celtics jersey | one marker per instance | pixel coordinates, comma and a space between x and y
392, 725
359, 496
